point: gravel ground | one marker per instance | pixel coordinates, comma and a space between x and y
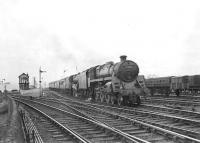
4, 120
10, 124
3, 125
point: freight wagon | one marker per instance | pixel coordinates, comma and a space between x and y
174, 84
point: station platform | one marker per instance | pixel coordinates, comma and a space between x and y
31, 92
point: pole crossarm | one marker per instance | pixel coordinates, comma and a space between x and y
42, 71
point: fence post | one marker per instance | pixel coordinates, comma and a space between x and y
25, 130
33, 136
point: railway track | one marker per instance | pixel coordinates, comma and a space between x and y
181, 121
89, 130
187, 123
49, 129
180, 100
177, 103
122, 121
190, 97
4, 122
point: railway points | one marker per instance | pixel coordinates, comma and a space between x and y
98, 116
161, 118
87, 128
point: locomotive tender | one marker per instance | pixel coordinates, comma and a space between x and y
111, 83
167, 85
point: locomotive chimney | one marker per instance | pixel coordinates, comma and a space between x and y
123, 58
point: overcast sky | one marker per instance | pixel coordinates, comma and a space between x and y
162, 37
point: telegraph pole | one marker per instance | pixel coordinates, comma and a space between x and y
34, 82
6, 83
40, 73
65, 70
3, 80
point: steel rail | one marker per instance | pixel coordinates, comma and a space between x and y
145, 124
172, 109
77, 136
86, 115
124, 135
192, 133
164, 131
174, 101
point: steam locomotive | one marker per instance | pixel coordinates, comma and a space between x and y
113, 83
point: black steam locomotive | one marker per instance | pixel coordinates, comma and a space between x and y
114, 83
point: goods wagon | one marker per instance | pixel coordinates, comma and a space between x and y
194, 82
159, 85
174, 84
181, 83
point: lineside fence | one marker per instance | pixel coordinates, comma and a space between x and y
30, 131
